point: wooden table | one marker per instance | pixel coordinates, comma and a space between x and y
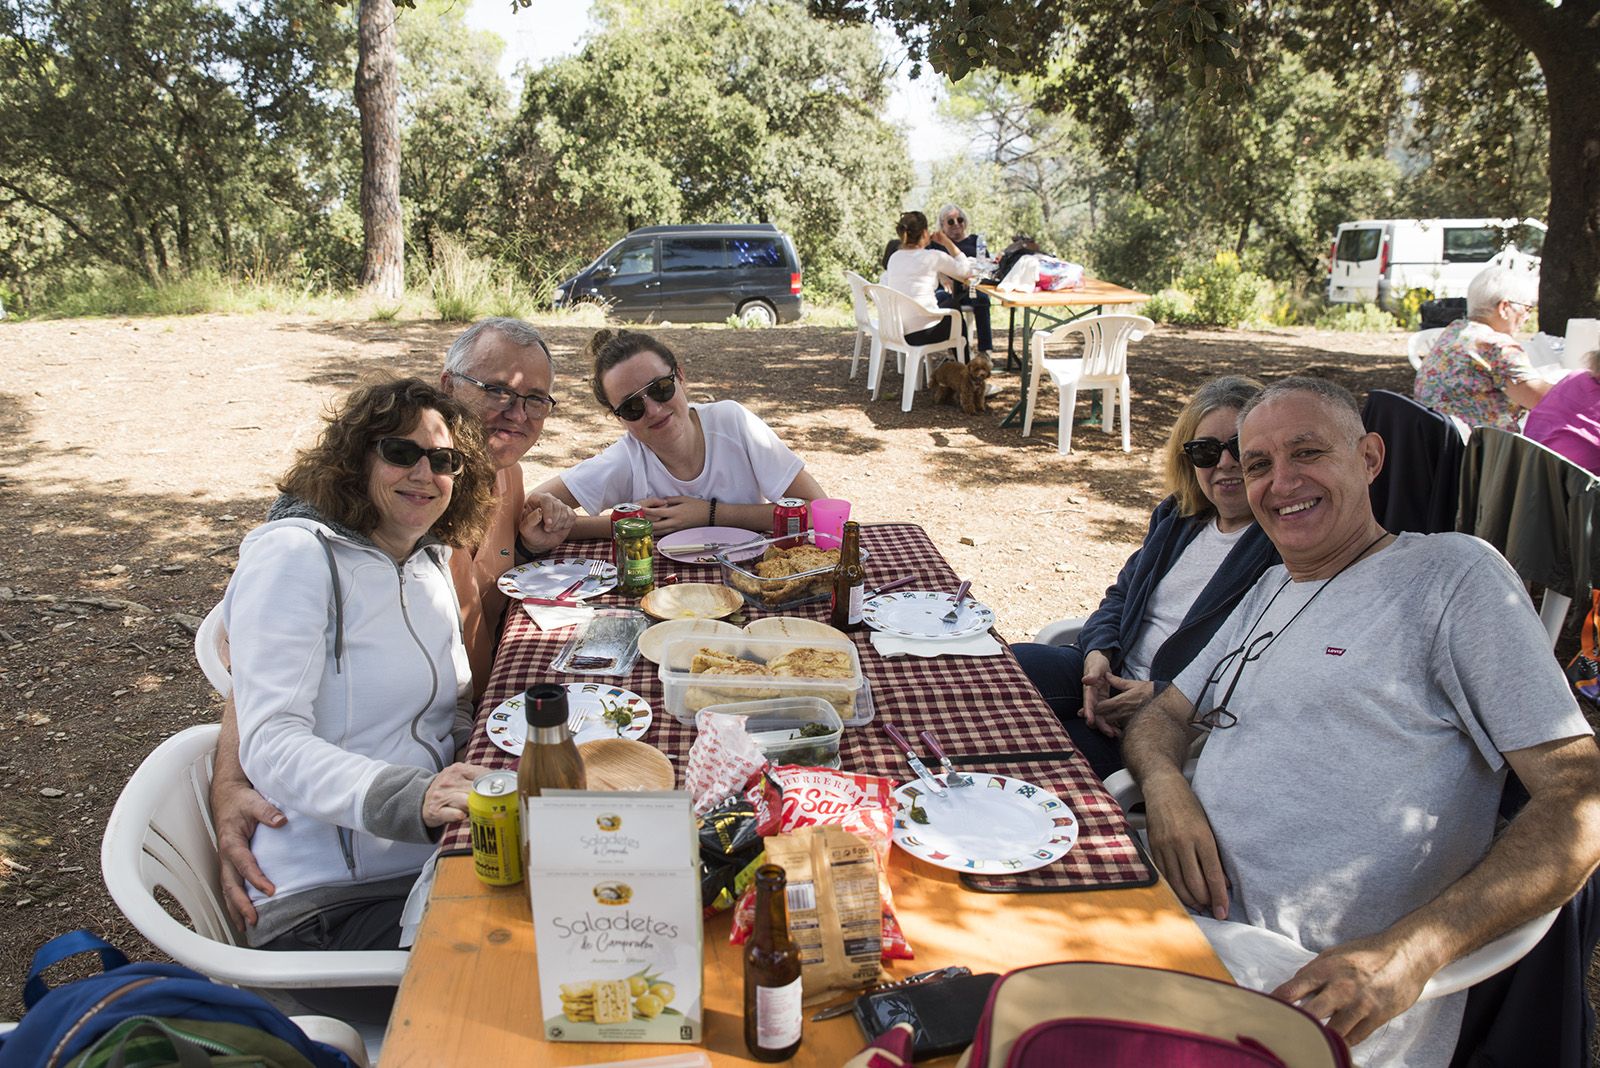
471, 994
1055, 309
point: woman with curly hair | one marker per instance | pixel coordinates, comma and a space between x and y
350, 678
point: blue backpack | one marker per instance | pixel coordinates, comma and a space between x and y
149, 1014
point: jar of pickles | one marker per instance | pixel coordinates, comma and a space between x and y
635, 545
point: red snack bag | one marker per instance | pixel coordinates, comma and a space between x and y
789, 797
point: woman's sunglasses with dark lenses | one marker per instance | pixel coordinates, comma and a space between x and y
660, 390
403, 452
1207, 452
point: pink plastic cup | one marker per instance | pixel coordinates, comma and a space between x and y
828, 515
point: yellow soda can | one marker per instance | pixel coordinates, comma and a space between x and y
496, 829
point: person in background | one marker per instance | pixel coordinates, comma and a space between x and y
915, 270
953, 222
688, 465
1567, 420
351, 684
1477, 370
1203, 551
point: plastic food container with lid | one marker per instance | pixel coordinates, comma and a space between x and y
792, 730
743, 674
780, 591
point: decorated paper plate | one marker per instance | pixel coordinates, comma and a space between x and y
653, 642
791, 627
548, 578
594, 711
920, 614
701, 545
996, 826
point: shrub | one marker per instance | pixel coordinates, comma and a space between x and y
1170, 306
1357, 318
1224, 293
462, 283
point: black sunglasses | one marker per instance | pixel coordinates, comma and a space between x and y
403, 452
956, 219
659, 390
1207, 452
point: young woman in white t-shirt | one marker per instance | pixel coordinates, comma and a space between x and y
915, 269
688, 465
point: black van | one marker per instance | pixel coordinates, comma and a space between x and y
694, 274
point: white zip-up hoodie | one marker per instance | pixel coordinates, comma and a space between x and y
352, 689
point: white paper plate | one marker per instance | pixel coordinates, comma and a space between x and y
996, 826
653, 642
919, 614
547, 578
725, 536
508, 724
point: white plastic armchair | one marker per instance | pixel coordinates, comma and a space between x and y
894, 308
209, 641
159, 837
1418, 345
1061, 631
866, 328
1103, 366
1474, 968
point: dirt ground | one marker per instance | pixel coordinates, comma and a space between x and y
134, 455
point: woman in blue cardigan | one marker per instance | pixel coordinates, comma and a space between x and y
1202, 552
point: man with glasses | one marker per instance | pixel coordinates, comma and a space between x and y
1364, 703
1476, 369
502, 371
953, 221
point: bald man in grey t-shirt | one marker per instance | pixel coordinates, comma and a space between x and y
1366, 699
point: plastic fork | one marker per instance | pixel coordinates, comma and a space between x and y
951, 775
950, 617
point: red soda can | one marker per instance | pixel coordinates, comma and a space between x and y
628, 510
789, 516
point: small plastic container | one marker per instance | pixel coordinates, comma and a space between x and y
607, 644
687, 692
777, 727
760, 591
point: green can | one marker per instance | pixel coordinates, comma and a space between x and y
635, 554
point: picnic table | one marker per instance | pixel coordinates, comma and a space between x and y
1054, 308
470, 994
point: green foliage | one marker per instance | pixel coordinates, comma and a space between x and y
1224, 293
467, 286
1360, 318
1170, 306
694, 111
114, 291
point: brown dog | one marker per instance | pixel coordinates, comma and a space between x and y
966, 382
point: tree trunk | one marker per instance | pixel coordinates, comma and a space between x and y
377, 99
1569, 277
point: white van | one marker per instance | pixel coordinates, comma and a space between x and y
1382, 260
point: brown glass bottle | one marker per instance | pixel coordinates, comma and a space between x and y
771, 974
549, 760
849, 582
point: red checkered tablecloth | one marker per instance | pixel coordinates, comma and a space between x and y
975, 705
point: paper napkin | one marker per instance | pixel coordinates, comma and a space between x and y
554, 617
977, 645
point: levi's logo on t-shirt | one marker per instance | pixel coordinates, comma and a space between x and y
1334, 650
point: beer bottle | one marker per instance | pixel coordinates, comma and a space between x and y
849, 582
771, 974
550, 759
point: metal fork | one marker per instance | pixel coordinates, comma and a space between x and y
950, 617
951, 775
597, 568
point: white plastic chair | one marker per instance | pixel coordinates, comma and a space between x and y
159, 837
866, 329
1103, 366
1061, 631
1418, 344
1474, 968
209, 640
894, 308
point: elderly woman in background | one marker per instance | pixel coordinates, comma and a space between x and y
350, 678
1476, 370
953, 223
687, 465
1567, 420
1202, 553
915, 269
